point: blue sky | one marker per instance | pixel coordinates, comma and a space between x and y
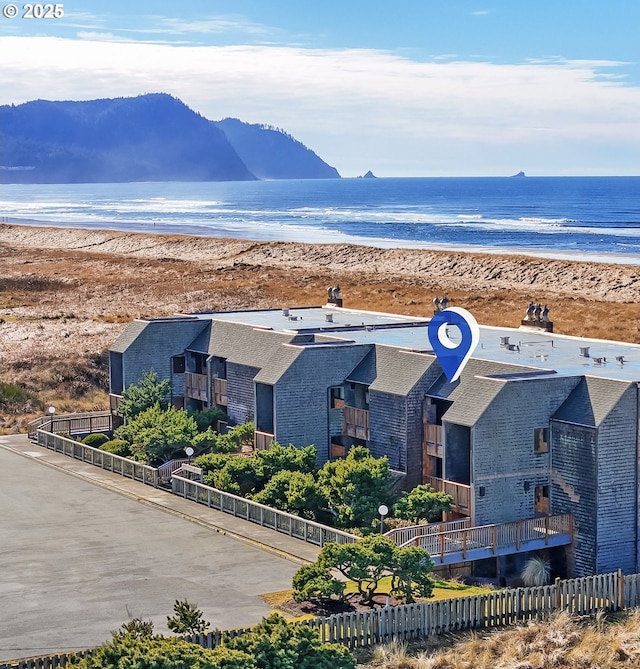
403, 88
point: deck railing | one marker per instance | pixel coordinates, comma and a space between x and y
195, 386
262, 440
460, 492
85, 423
356, 422
486, 540
405, 535
432, 440
113, 463
220, 392
266, 516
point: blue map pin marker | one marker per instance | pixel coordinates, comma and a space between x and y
453, 355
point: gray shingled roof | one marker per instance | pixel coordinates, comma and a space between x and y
130, 333
475, 367
365, 370
277, 364
472, 400
242, 344
591, 401
391, 370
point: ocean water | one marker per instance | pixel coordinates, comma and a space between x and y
591, 218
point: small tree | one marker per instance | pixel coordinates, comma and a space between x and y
236, 438
422, 503
156, 435
148, 392
188, 619
290, 458
365, 562
313, 582
208, 417
274, 643
411, 574
355, 487
293, 492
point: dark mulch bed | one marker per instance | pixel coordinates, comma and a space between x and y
328, 608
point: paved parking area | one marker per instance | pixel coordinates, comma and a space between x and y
77, 559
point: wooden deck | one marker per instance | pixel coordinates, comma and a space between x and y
477, 543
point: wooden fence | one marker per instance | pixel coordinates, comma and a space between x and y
582, 596
266, 516
578, 596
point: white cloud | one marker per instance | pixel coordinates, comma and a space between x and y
359, 109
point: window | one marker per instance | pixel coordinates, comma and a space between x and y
178, 364
336, 394
541, 440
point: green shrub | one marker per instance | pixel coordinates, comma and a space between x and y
117, 447
95, 440
207, 417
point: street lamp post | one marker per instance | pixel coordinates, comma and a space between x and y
52, 411
383, 510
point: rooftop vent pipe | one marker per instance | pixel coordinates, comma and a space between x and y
328, 318
285, 313
504, 341
584, 351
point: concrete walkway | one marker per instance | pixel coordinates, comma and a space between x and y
77, 560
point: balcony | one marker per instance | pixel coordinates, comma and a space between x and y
432, 440
195, 386
460, 493
262, 440
220, 392
463, 544
356, 423
114, 402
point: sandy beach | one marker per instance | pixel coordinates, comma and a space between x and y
66, 294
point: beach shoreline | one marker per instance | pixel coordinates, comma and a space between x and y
316, 237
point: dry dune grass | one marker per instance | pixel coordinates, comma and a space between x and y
561, 643
66, 294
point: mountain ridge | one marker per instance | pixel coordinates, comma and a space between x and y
151, 137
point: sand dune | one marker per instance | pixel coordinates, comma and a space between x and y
462, 271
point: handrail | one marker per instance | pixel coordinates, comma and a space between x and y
403, 535
113, 463
266, 516
493, 537
93, 421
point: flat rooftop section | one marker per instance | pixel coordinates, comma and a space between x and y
529, 347
312, 319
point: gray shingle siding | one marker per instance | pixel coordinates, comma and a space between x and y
240, 392
502, 448
574, 487
617, 485
302, 394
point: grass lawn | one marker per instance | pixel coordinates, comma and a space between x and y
441, 590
